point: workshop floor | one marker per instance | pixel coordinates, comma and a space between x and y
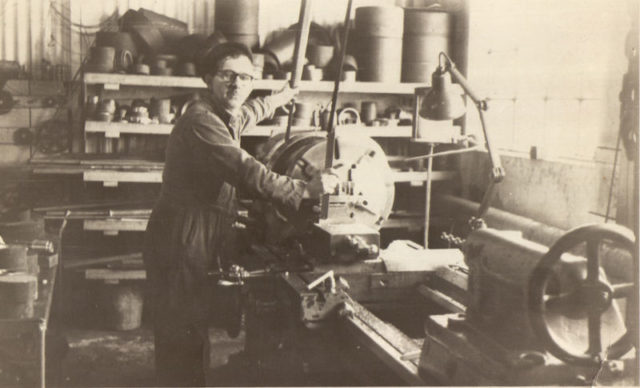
125, 359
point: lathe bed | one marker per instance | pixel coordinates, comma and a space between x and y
375, 324
331, 307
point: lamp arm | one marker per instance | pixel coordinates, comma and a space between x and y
497, 171
458, 78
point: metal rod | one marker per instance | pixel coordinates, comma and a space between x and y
427, 205
304, 22
486, 199
443, 153
42, 353
613, 177
497, 171
331, 136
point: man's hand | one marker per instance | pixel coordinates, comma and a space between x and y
284, 95
323, 182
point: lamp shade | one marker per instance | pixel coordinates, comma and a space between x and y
443, 101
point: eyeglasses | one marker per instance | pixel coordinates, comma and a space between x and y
230, 76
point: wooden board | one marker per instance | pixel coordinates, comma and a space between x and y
111, 178
114, 274
116, 225
114, 80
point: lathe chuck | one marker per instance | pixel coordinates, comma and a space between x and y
366, 192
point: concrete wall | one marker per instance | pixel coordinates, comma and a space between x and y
561, 194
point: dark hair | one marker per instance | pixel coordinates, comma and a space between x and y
209, 59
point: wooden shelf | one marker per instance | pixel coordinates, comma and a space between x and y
114, 274
113, 82
115, 129
111, 178
112, 226
110, 80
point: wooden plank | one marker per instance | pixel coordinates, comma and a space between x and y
132, 92
194, 82
144, 80
111, 178
114, 129
378, 132
58, 170
79, 263
124, 225
115, 274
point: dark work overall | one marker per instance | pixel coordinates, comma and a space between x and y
190, 224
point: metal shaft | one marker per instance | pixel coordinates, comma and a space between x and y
299, 53
331, 136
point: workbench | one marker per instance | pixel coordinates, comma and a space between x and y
23, 341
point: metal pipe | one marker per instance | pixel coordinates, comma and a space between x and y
304, 22
443, 153
331, 136
427, 206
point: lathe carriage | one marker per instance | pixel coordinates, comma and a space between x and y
325, 304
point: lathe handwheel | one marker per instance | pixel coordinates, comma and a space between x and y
593, 293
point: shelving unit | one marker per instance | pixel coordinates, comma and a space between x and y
115, 129
111, 170
114, 81
112, 176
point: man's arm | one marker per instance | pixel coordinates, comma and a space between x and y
215, 150
257, 109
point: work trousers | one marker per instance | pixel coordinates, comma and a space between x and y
182, 245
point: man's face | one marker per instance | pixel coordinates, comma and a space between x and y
227, 86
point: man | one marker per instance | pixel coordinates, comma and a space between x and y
191, 221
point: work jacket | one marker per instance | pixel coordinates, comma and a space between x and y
188, 228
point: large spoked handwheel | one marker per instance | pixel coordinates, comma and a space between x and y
593, 294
